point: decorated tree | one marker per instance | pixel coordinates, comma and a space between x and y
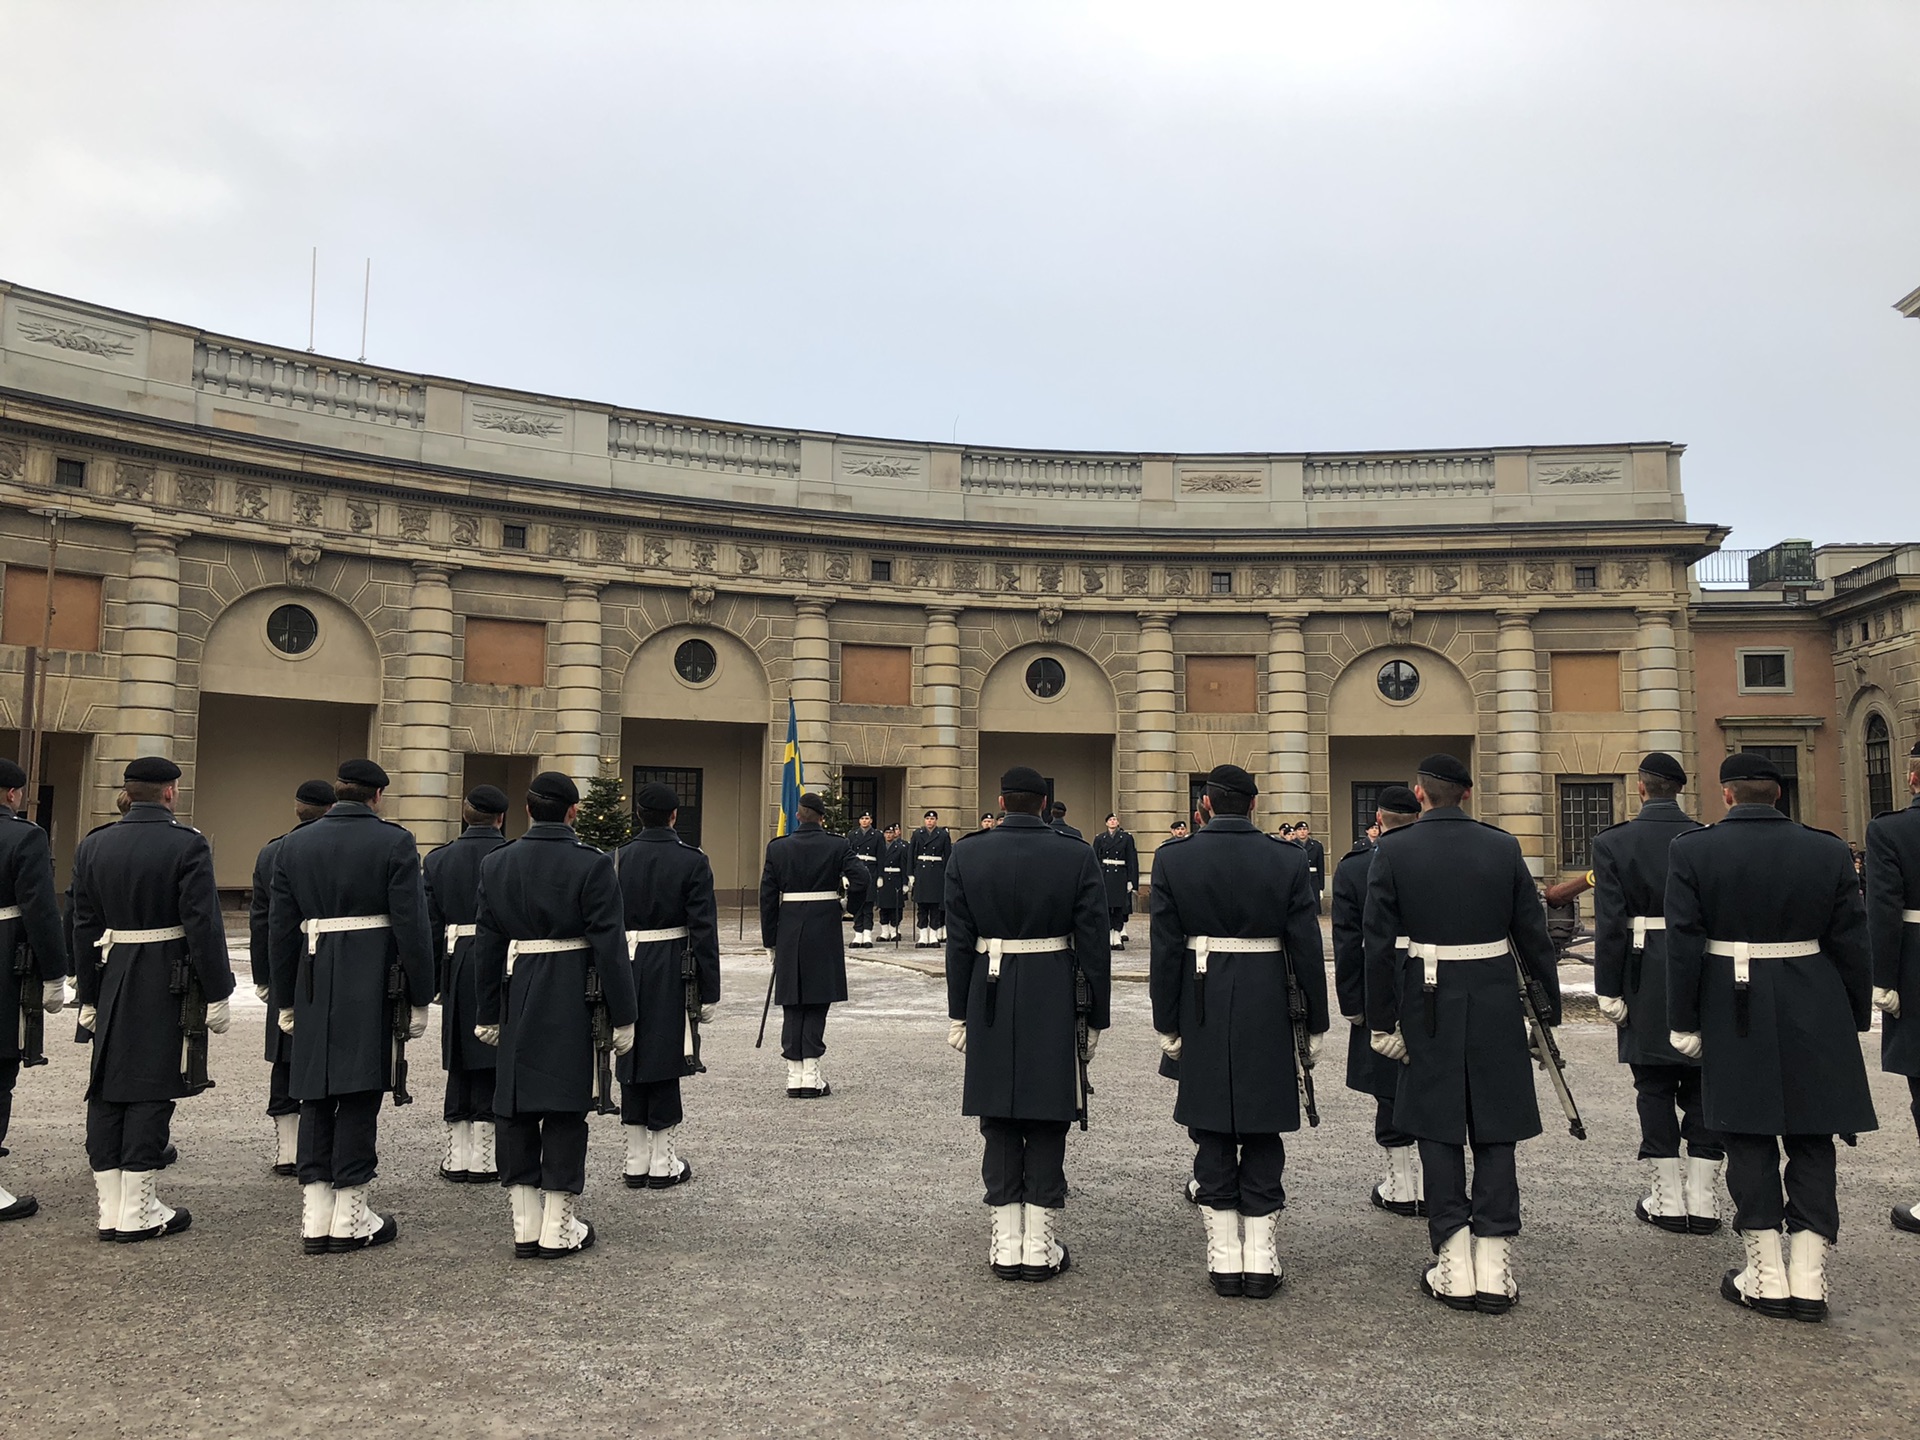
605, 821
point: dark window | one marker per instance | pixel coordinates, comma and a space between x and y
1785, 759
1879, 767
1586, 808
1586, 577
70, 473
513, 537
1220, 582
291, 629
686, 788
863, 798
695, 661
1196, 787
1764, 670
1399, 680
1046, 677
1366, 800
881, 570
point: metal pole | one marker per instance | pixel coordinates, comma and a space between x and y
366, 293
313, 296
28, 686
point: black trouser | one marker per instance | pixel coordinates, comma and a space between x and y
469, 1095
1495, 1207
1239, 1172
803, 1031
863, 917
129, 1136
1753, 1179
932, 917
1025, 1162
652, 1103
891, 917
546, 1148
1383, 1127
9, 1072
1913, 1090
338, 1139
279, 1079
1117, 917
1659, 1091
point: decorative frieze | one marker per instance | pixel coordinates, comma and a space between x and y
250, 501
362, 516
307, 385
747, 557
610, 546
654, 551
1310, 580
563, 541
133, 482
793, 564
1093, 579
307, 507
413, 523
466, 530
1353, 580
1222, 482
1539, 575
1134, 579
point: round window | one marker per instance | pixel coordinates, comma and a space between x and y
291, 629
1399, 680
1046, 677
695, 661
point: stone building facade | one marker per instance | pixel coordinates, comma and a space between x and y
269, 560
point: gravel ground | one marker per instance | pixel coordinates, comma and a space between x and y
825, 1275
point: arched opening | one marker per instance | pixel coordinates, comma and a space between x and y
1052, 707
1879, 766
1388, 710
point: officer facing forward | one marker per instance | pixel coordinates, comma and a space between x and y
1460, 893
1893, 929
928, 852
146, 917
1630, 983
549, 913
1316, 857
1233, 913
1768, 979
33, 951
1119, 861
1026, 913
800, 926
348, 908
867, 845
890, 883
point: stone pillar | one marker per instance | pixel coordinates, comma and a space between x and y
1520, 806
1658, 667
1160, 798
422, 799
577, 684
939, 778
1287, 778
149, 657
813, 688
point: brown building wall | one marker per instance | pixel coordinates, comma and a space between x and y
1802, 716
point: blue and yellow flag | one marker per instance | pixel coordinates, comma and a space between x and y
791, 780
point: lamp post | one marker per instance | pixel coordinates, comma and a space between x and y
33, 693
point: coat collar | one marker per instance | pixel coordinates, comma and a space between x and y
549, 830
1753, 812
1020, 820
1663, 812
1443, 812
347, 810
482, 832
1915, 804
147, 812
1231, 825
659, 835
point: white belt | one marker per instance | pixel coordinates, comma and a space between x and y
994, 949
923, 859
1644, 923
340, 924
1430, 956
1229, 945
1119, 863
12, 912
1744, 950
794, 897
890, 870
544, 947
1912, 917
110, 938
637, 938
457, 933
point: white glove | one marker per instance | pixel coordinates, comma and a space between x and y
53, 996
260, 993
1614, 1007
219, 1017
286, 1021
1687, 1042
1887, 1002
622, 1039
416, 1022
957, 1035
90, 1017
487, 1034
1316, 1042
707, 1012
1093, 1039
1391, 1044
1169, 1044
1354, 1019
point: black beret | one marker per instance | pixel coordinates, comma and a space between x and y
554, 786
812, 801
152, 770
935, 814
488, 800
364, 772
659, 797
1232, 777
314, 792
1914, 754
1445, 767
1023, 780
1398, 800
1663, 766
12, 777
1744, 765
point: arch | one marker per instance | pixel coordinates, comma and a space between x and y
1443, 704
1085, 705
343, 663
652, 690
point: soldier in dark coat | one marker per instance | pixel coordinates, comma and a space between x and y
928, 852
666, 889
1630, 984
1402, 1191
549, 911
348, 907
312, 800
1060, 825
1768, 980
800, 926
33, 950
867, 845
1119, 861
1026, 912
890, 883
1893, 930
452, 875
1316, 858
144, 904
1446, 999
1232, 915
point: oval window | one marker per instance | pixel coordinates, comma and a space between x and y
292, 629
695, 661
1399, 680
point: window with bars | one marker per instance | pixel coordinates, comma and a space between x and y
1586, 808
1879, 767
1785, 759
686, 784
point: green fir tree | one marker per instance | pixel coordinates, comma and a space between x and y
605, 821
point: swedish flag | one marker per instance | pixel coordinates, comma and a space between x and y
791, 780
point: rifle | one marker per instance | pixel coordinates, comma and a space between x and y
767, 1008
185, 983
1082, 1011
1546, 1050
402, 1019
602, 1045
1302, 1042
690, 1049
33, 1017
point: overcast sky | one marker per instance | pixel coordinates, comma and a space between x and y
1156, 226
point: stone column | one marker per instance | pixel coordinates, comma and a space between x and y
149, 658
1160, 798
577, 684
422, 798
1658, 667
939, 778
813, 688
1520, 806
1287, 776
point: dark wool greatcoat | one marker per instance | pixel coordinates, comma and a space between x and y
809, 963
927, 852
1629, 879
452, 875
867, 847
1367, 1071
548, 885
666, 883
348, 862
1893, 885
890, 880
1316, 864
1759, 876
147, 871
1022, 880
26, 880
1236, 1065
1119, 861
279, 1046
1449, 879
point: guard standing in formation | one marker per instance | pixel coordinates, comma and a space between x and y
1893, 929
1402, 1191
1027, 966
1768, 979
1449, 1004
1316, 858
929, 850
33, 954
666, 892
1059, 812
1236, 931
146, 916
1119, 861
890, 883
800, 926
1630, 984
867, 845
311, 800
348, 918
452, 874
549, 913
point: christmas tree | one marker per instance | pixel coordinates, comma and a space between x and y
605, 822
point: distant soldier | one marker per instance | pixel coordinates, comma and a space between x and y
671, 924
800, 926
1177, 830
1446, 999
1120, 872
1630, 984
452, 874
1768, 980
1235, 929
1893, 928
1316, 858
1402, 1191
310, 801
890, 883
867, 845
1059, 812
352, 962
549, 914
930, 847
1027, 966
33, 953
146, 915
988, 820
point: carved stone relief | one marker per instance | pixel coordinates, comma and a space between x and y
361, 515
793, 564
1050, 615
1589, 474
13, 461
1093, 579
413, 522
839, 566
1633, 574
1400, 622
921, 571
653, 550
301, 560
1353, 580
133, 482
1399, 579
307, 507
466, 529
701, 598
1051, 577
749, 559
1539, 575
563, 541
1179, 580
1266, 580
1310, 580
251, 502
705, 554
1446, 578
516, 422
1492, 576
966, 574
1134, 579
1219, 482
1007, 576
